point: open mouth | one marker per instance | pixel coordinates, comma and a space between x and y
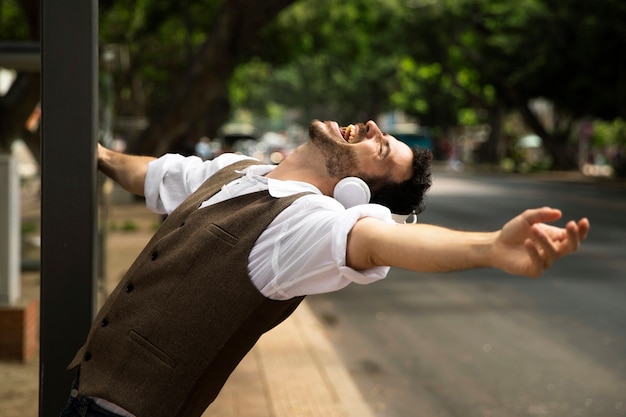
348, 133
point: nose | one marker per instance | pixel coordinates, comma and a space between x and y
372, 129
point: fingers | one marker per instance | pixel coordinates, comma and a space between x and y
577, 233
554, 232
551, 243
573, 236
583, 228
548, 248
543, 243
542, 215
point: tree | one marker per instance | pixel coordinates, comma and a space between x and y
442, 60
182, 56
526, 49
19, 21
353, 59
331, 59
179, 57
576, 46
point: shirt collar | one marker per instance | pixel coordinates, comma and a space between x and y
278, 188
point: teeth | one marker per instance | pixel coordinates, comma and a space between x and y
350, 133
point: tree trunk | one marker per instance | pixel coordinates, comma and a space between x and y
22, 98
563, 156
206, 82
15, 108
489, 152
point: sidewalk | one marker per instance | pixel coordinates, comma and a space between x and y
293, 370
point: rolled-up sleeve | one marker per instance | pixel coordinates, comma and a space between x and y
172, 178
340, 242
307, 244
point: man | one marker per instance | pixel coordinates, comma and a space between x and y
243, 243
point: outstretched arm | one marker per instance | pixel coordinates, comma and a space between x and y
129, 171
524, 246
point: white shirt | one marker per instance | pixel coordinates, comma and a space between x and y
303, 250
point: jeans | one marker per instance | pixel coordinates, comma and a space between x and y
82, 406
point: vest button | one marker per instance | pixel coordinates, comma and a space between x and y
104, 322
155, 255
87, 356
130, 287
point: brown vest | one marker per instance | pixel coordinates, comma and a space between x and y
185, 313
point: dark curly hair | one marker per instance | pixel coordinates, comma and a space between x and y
407, 196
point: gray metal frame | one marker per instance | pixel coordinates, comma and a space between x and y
68, 198
21, 56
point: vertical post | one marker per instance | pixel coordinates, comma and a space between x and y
9, 228
68, 197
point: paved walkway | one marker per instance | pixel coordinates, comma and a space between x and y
291, 372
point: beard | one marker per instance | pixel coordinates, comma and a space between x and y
340, 159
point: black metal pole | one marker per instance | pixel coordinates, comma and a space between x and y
68, 196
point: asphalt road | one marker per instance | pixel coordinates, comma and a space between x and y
485, 344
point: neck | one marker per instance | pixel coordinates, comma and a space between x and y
307, 164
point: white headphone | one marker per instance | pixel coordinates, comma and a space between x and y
352, 191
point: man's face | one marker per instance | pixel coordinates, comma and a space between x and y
362, 150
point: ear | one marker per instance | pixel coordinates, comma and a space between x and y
352, 191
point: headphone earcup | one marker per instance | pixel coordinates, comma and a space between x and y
352, 191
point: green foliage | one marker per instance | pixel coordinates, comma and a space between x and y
127, 225
160, 37
447, 62
425, 91
468, 117
249, 82
13, 25
609, 133
577, 46
331, 59
28, 227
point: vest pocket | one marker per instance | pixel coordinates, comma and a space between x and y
155, 351
223, 234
